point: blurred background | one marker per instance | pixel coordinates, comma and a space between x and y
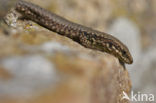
132, 21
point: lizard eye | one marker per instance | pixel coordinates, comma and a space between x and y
124, 52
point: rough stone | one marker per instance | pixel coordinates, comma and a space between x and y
42, 66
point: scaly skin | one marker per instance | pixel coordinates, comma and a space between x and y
85, 36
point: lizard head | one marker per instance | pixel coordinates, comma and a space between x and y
119, 50
126, 56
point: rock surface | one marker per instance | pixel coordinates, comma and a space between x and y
43, 67
39, 66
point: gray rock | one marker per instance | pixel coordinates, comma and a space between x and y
30, 73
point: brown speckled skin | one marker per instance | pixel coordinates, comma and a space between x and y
85, 36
